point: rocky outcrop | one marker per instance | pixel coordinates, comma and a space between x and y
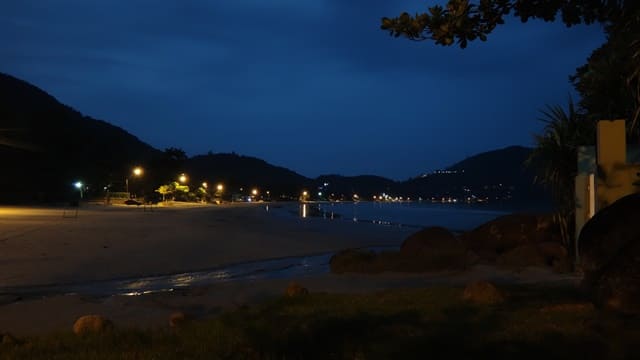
610, 255
91, 324
509, 232
483, 292
437, 249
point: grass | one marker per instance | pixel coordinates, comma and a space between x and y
396, 324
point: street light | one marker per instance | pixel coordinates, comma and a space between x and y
220, 187
254, 192
182, 178
78, 185
205, 185
137, 171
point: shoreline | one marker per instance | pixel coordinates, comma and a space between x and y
39, 246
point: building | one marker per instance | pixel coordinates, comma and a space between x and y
606, 172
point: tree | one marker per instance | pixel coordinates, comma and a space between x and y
460, 21
556, 157
609, 83
172, 189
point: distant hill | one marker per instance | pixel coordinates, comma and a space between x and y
345, 186
497, 175
245, 171
45, 146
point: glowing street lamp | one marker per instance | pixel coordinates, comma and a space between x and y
220, 187
254, 192
137, 172
205, 185
78, 185
182, 178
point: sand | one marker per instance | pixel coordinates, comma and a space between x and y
39, 246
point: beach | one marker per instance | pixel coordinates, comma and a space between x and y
40, 246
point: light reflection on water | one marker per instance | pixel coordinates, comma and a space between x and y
289, 267
456, 217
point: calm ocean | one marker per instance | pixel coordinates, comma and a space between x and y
455, 217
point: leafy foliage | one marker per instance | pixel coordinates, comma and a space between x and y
556, 155
461, 21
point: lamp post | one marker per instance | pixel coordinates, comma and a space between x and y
137, 172
78, 185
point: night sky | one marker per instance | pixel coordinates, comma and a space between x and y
312, 85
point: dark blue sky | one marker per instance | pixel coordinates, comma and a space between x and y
312, 85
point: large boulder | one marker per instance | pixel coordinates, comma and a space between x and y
91, 324
610, 255
437, 248
508, 232
544, 254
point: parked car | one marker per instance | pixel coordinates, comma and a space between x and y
132, 202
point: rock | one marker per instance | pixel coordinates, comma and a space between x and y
507, 232
436, 248
522, 256
7, 339
91, 324
294, 289
178, 319
483, 292
610, 255
427, 239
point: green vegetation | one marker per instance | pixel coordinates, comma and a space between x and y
398, 324
556, 157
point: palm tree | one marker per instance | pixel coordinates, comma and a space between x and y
556, 155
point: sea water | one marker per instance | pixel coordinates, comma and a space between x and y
455, 217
